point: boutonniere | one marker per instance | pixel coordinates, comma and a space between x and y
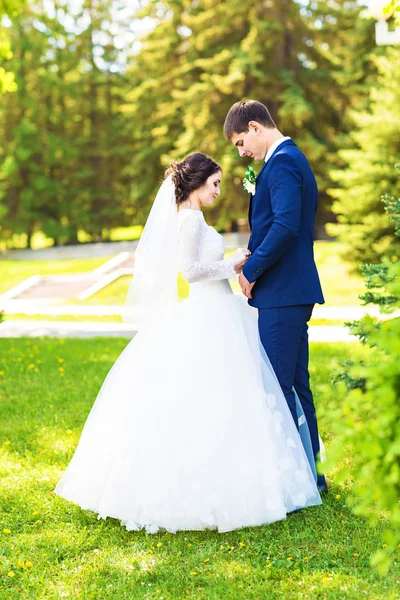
249, 181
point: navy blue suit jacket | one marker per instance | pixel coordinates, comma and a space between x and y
281, 218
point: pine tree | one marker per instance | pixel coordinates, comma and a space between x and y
155, 121
205, 56
65, 142
363, 226
105, 147
239, 50
368, 416
7, 83
23, 182
83, 143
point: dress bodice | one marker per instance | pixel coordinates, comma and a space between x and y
201, 250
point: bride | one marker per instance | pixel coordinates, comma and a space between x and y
190, 429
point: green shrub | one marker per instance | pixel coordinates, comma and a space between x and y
368, 420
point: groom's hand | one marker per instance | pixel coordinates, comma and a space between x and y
246, 286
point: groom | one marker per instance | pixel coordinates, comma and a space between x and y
280, 278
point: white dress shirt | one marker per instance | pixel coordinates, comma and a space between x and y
274, 146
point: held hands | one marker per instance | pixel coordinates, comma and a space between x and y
240, 258
246, 286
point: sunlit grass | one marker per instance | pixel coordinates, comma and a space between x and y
340, 286
20, 240
118, 319
326, 322
52, 549
119, 234
40, 240
75, 318
115, 292
13, 272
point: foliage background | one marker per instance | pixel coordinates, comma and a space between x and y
99, 95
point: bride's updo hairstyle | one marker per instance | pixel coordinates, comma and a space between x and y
191, 173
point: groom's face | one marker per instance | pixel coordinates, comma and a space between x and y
250, 143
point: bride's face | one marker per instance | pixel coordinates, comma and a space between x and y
210, 190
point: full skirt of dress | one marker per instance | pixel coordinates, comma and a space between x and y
190, 429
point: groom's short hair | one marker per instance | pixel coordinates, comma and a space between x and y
240, 114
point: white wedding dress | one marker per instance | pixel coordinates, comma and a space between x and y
190, 429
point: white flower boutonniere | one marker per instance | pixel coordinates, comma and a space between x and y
249, 181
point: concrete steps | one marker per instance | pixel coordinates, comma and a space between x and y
59, 288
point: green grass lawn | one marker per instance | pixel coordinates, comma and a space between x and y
118, 319
40, 240
326, 322
77, 318
51, 549
119, 234
115, 293
340, 286
13, 272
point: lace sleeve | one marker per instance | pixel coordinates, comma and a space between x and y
190, 234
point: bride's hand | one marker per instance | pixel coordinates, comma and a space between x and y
239, 258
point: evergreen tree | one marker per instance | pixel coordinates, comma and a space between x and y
150, 104
346, 40
214, 54
393, 7
7, 83
65, 143
368, 417
84, 141
363, 226
105, 147
23, 181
